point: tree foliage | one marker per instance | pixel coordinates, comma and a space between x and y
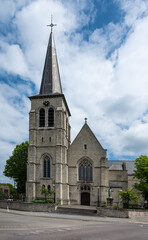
127, 197
46, 192
141, 173
2, 195
16, 166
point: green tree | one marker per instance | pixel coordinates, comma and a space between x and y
141, 173
127, 197
2, 195
16, 166
46, 192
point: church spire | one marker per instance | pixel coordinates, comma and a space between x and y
51, 82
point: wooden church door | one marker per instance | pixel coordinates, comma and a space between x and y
85, 198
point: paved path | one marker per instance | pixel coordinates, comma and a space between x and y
77, 217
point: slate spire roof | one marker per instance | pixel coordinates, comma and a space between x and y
51, 82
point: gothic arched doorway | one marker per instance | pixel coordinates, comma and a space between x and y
85, 198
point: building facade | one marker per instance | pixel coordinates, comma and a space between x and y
78, 172
5, 189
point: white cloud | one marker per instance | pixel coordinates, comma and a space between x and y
12, 60
7, 10
109, 37
6, 149
134, 10
13, 121
9, 7
13, 108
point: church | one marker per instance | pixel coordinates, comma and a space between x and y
78, 172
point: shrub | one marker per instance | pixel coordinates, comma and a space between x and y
116, 207
38, 201
103, 206
127, 197
43, 201
50, 201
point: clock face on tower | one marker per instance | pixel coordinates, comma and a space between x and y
46, 103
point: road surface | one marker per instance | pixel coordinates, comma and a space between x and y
36, 227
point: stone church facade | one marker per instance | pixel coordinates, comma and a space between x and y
78, 172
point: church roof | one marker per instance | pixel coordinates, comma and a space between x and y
117, 165
51, 82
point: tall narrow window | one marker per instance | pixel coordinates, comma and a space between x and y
51, 117
85, 171
46, 167
42, 118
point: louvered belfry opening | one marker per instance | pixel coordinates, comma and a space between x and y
51, 117
42, 118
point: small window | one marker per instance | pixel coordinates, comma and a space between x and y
49, 188
42, 118
51, 117
42, 139
49, 139
85, 188
43, 185
85, 146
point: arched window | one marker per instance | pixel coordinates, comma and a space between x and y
85, 171
46, 167
42, 118
50, 117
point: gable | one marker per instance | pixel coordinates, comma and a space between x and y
87, 135
85, 145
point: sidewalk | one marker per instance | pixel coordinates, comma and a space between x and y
76, 217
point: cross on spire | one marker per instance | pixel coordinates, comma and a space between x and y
85, 120
51, 25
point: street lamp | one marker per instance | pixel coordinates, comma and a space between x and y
98, 196
54, 190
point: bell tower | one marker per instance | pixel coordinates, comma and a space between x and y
49, 134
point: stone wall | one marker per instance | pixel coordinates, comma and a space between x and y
30, 207
122, 213
108, 212
138, 214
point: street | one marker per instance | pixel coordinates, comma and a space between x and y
16, 227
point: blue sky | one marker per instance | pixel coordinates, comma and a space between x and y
102, 51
